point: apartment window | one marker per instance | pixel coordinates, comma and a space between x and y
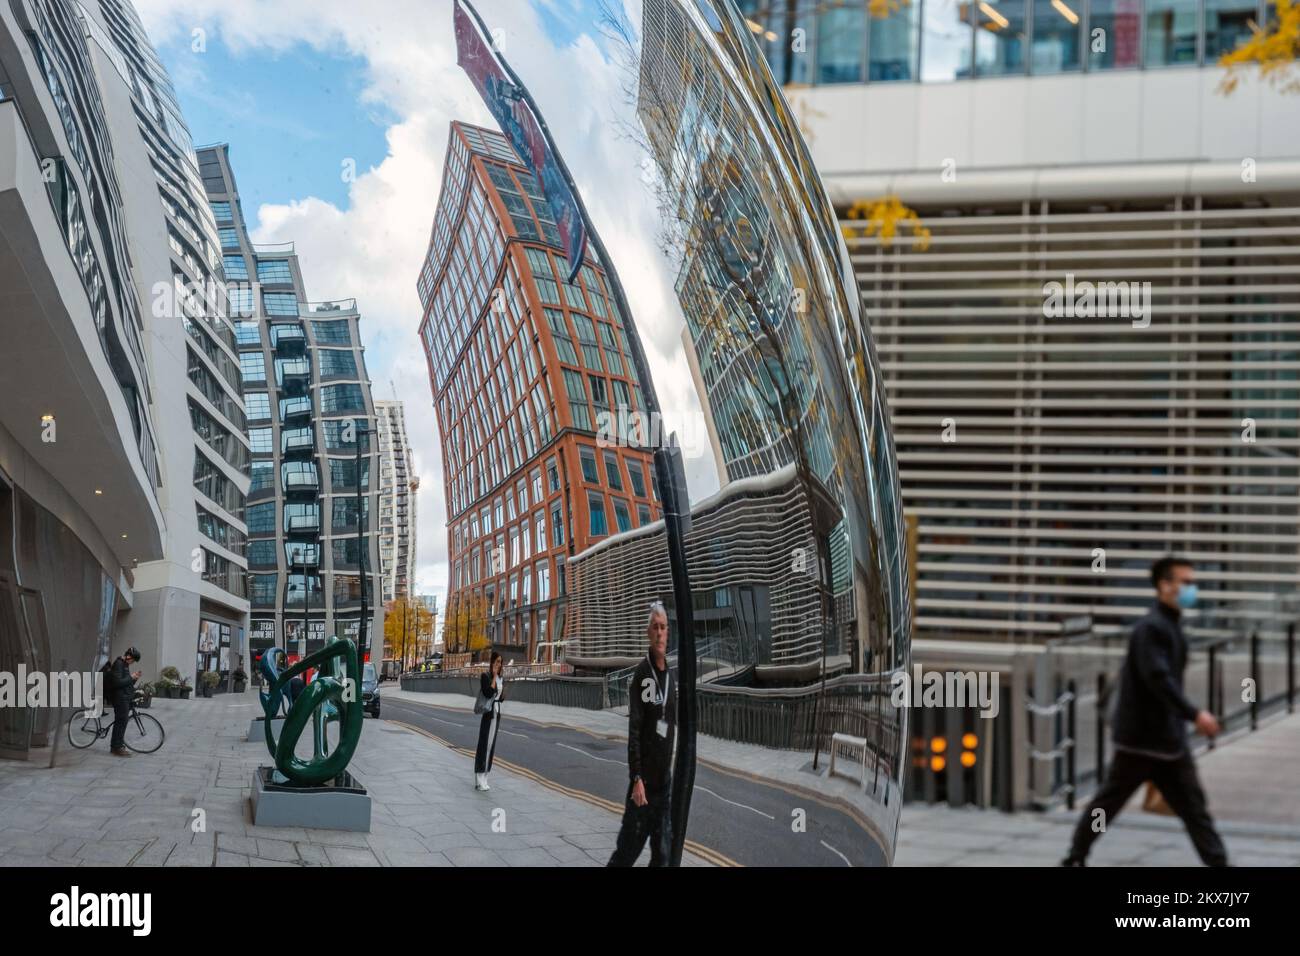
588, 459
552, 475
299, 554
221, 212
577, 392
622, 517
258, 405
261, 518
599, 523
262, 589
1000, 37
1121, 23
246, 333
612, 473
337, 363
341, 398
331, 332
343, 473
514, 546
895, 43
841, 39
262, 553
946, 44
229, 238
635, 473
280, 303
274, 270
557, 526
543, 582
260, 440
252, 367
234, 267
241, 301
301, 516
527, 582
642, 515
539, 521
1171, 32
263, 475
536, 478
1227, 24
1057, 26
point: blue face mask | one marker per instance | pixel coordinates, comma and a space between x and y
1187, 595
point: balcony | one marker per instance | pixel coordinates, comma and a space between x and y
302, 523
297, 441
288, 337
297, 370
295, 410
336, 307
301, 480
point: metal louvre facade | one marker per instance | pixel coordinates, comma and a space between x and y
1028, 441
749, 538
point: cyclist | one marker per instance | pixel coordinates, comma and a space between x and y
120, 691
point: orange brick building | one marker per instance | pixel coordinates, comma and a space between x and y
531, 378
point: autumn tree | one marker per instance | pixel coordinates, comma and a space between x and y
407, 626
1274, 49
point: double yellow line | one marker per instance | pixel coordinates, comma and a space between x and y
708, 854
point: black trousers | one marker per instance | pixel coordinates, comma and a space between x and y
653, 822
487, 741
121, 711
1178, 784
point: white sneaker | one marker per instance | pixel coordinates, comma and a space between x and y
485, 783
479, 783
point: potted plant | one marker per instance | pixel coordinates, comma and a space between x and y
241, 679
184, 688
208, 682
164, 687
146, 691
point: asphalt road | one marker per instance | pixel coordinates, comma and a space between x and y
734, 819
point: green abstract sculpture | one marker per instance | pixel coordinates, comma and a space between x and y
335, 695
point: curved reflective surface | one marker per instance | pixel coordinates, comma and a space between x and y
715, 311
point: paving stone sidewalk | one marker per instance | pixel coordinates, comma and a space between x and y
93, 809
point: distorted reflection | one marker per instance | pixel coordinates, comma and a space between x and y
715, 302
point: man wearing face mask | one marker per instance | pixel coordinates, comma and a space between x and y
1150, 723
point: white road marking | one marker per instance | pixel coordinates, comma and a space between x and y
513, 734
836, 852
734, 803
586, 754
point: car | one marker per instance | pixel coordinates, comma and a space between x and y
370, 690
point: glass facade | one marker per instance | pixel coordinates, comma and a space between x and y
938, 40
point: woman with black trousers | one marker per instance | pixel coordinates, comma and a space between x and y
491, 685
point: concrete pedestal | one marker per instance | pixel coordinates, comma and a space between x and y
257, 729
342, 805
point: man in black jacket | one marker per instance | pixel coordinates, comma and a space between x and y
651, 727
1150, 730
119, 690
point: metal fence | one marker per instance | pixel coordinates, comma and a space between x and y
1237, 678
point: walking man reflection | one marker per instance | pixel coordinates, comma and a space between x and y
651, 727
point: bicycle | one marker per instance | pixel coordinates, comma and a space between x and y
144, 732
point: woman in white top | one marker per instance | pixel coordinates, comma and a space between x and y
492, 684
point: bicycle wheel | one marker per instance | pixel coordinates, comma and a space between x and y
144, 734
82, 730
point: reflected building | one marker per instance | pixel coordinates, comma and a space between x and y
529, 374
310, 411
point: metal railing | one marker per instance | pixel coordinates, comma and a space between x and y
1235, 678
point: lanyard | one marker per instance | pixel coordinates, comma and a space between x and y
668, 678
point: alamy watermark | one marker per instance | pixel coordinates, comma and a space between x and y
1098, 300
947, 689
83, 690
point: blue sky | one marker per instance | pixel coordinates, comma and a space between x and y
284, 114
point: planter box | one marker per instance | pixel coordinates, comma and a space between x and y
184, 692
